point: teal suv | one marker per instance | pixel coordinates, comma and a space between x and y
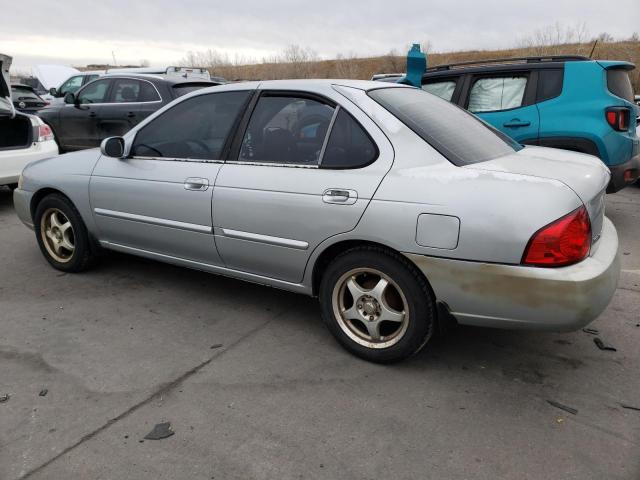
567, 102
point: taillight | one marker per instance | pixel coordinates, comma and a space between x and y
561, 243
44, 133
618, 118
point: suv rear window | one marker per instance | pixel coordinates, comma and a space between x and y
619, 84
461, 137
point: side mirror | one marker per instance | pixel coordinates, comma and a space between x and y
53, 91
69, 98
112, 147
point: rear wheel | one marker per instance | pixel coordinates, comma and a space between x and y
377, 305
62, 235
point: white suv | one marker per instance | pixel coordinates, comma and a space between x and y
23, 138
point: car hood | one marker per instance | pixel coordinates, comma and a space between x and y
52, 76
584, 174
6, 106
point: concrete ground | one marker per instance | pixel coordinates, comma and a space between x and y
134, 343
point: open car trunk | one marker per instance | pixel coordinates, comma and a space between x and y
16, 130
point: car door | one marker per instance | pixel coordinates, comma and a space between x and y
158, 200
78, 122
303, 170
122, 111
506, 101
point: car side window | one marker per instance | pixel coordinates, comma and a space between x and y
95, 92
71, 85
196, 128
349, 145
128, 90
286, 129
442, 89
498, 93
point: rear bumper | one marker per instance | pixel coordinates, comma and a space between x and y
508, 296
618, 181
22, 205
12, 162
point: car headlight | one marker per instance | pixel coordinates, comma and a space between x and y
20, 181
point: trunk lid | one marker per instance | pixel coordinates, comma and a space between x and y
585, 174
6, 107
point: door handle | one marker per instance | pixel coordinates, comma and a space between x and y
516, 122
131, 115
92, 114
196, 184
340, 196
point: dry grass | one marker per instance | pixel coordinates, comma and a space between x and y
364, 68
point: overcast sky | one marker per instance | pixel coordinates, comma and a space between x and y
79, 31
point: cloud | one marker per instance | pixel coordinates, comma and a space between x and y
162, 31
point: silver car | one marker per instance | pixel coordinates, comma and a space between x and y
394, 207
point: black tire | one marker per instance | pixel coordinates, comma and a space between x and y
417, 294
82, 256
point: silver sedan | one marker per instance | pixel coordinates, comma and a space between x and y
394, 207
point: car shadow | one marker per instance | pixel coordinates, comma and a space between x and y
522, 355
6, 199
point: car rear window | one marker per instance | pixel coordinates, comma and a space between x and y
459, 136
184, 88
619, 84
23, 93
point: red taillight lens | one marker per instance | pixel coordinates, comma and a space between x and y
44, 133
618, 118
563, 242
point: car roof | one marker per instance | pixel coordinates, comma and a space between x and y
170, 79
503, 64
307, 84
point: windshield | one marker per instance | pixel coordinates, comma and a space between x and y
458, 135
21, 93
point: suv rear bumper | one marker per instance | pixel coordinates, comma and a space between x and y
617, 181
514, 296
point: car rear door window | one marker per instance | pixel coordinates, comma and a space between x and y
490, 94
95, 92
196, 128
442, 89
286, 129
184, 88
127, 90
459, 136
349, 145
549, 83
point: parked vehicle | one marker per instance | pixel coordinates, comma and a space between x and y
25, 99
23, 138
567, 102
72, 85
572, 103
390, 204
112, 105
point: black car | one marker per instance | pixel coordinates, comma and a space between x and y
111, 106
25, 99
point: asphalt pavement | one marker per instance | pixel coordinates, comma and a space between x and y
254, 387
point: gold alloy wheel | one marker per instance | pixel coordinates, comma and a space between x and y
370, 308
57, 235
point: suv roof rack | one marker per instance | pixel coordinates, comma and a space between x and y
540, 59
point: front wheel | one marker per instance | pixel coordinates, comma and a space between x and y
62, 235
377, 304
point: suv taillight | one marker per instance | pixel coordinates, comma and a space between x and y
44, 133
618, 118
561, 243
